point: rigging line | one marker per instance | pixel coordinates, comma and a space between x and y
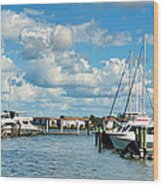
119, 85
133, 80
150, 101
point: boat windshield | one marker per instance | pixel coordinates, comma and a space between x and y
125, 129
119, 129
25, 122
9, 123
5, 116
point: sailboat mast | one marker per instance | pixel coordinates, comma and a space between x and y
9, 95
143, 76
133, 80
130, 78
137, 96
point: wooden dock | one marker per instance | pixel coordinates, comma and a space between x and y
63, 133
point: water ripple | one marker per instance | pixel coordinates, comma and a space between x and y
67, 157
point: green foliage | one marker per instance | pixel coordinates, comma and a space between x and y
94, 120
62, 116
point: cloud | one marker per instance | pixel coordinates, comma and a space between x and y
23, 91
121, 39
56, 76
72, 91
52, 70
33, 11
7, 64
61, 37
35, 36
35, 40
12, 23
149, 39
90, 32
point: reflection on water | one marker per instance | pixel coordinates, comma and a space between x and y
67, 157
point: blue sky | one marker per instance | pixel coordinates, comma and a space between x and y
67, 58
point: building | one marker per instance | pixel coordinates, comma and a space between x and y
66, 122
74, 122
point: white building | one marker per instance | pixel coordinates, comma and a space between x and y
73, 122
53, 122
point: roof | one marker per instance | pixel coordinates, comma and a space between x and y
43, 118
74, 118
65, 118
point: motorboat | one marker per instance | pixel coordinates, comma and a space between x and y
8, 125
26, 125
127, 133
12, 124
136, 128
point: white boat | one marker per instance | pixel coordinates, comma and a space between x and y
26, 125
7, 125
133, 123
127, 134
12, 121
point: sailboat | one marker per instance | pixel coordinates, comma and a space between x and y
135, 122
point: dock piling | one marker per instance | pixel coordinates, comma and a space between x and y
143, 144
61, 126
144, 141
47, 126
96, 138
88, 128
78, 128
100, 139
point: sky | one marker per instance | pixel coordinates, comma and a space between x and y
67, 59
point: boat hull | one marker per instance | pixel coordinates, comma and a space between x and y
119, 143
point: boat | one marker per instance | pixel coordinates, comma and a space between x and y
136, 130
14, 125
127, 133
8, 125
26, 125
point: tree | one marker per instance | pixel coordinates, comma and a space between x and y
94, 120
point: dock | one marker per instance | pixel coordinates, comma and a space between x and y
62, 133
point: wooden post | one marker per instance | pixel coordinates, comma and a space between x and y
96, 136
88, 129
137, 135
78, 128
61, 126
100, 140
47, 126
141, 138
144, 141
141, 149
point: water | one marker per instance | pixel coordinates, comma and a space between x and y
73, 157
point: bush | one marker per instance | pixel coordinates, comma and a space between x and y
72, 127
